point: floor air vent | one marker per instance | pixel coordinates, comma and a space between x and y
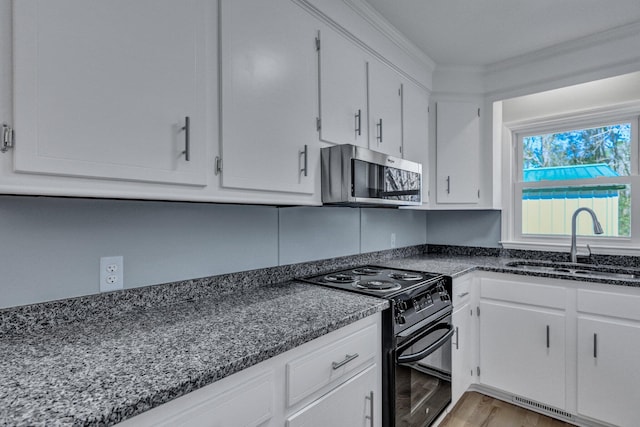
543, 407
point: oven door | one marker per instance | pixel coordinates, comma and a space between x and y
423, 374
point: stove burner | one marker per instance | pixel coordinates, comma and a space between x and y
340, 278
367, 271
378, 285
406, 276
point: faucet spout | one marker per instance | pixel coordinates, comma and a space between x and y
597, 229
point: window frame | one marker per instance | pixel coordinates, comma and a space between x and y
513, 183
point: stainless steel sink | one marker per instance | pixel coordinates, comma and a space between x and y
578, 269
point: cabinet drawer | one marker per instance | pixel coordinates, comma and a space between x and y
609, 304
461, 291
249, 404
523, 293
353, 403
330, 363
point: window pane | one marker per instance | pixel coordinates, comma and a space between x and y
549, 210
578, 154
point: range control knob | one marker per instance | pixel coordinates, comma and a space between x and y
402, 306
400, 320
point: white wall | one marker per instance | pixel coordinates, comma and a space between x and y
599, 93
464, 228
50, 248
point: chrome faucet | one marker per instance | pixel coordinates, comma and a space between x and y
597, 229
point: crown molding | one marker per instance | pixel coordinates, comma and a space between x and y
469, 69
369, 14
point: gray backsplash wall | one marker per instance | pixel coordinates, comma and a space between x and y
50, 247
464, 228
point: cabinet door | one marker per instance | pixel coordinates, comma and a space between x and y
461, 374
269, 96
608, 374
522, 351
349, 405
102, 89
249, 402
343, 91
457, 152
385, 107
415, 129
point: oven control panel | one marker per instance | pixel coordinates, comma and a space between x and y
412, 307
421, 302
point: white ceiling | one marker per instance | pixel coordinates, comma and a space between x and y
482, 32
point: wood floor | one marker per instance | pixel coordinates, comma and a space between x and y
477, 410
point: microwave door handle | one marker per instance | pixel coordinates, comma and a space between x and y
414, 357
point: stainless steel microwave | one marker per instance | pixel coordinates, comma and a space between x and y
353, 175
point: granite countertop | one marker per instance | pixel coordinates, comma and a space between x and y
104, 369
458, 265
100, 359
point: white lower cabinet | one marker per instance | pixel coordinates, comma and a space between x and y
461, 360
248, 402
522, 339
564, 347
334, 380
523, 351
349, 405
608, 356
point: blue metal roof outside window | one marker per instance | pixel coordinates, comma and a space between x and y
566, 173
575, 172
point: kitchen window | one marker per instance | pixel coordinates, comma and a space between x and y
563, 163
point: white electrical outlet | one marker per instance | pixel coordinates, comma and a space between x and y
393, 240
111, 273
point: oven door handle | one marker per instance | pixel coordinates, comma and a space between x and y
414, 357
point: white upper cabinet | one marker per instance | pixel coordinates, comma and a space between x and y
415, 129
457, 152
104, 89
198, 100
385, 109
269, 72
343, 90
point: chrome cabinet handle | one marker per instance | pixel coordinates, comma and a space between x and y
7, 138
370, 416
186, 129
379, 126
359, 123
548, 336
448, 185
595, 346
457, 339
304, 154
348, 358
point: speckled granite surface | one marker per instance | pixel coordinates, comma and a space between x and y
45, 315
455, 263
101, 371
100, 359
